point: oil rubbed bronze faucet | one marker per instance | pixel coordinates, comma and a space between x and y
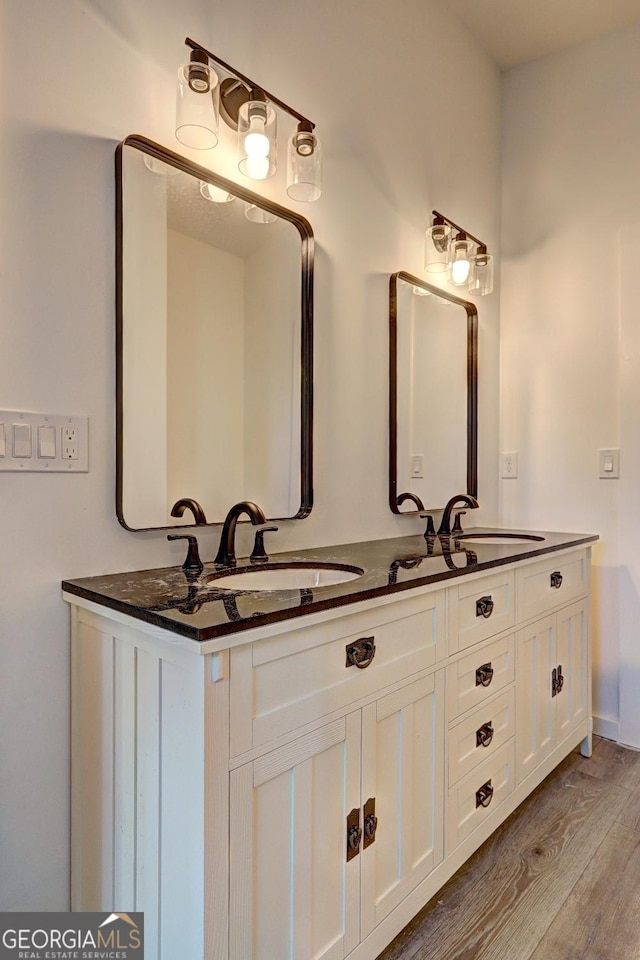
227, 550
187, 503
444, 529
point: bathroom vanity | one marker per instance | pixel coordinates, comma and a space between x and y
294, 773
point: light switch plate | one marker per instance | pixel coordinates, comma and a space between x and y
45, 450
609, 464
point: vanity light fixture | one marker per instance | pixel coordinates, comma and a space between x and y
452, 249
248, 108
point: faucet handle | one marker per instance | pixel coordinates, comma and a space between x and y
258, 554
457, 526
192, 562
431, 530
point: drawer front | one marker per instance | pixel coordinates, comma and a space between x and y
480, 675
479, 795
280, 684
475, 739
480, 609
551, 583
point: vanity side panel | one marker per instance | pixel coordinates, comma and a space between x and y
92, 775
138, 783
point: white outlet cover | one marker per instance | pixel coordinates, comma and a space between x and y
31, 460
509, 465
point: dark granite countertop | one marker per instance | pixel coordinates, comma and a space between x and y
195, 607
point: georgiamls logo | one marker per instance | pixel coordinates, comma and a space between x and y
71, 936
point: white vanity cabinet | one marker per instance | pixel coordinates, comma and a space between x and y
300, 790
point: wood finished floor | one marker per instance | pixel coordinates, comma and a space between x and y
559, 880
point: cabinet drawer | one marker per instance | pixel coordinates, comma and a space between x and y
480, 609
465, 809
480, 675
278, 685
551, 583
474, 740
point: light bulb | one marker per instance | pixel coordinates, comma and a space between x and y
257, 167
460, 266
460, 271
256, 143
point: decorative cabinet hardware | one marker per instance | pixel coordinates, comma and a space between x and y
557, 680
484, 675
556, 579
354, 833
484, 607
370, 822
484, 795
484, 735
361, 653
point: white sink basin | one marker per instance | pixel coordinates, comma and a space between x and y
500, 538
299, 576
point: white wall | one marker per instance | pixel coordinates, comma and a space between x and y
409, 113
571, 203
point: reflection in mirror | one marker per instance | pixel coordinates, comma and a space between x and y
433, 367
214, 344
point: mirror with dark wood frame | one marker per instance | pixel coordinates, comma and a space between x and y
214, 345
433, 387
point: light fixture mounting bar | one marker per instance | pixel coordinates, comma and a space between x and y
250, 84
459, 229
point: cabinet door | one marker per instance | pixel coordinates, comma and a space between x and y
572, 702
293, 896
535, 707
402, 769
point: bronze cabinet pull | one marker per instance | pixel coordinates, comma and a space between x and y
484, 795
354, 834
361, 652
484, 735
557, 680
370, 823
484, 675
484, 607
556, 580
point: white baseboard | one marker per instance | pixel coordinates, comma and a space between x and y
607, 728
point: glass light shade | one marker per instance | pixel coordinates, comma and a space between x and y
197, 105
257, 137
304, 165
258, 214
436, 257
481, 274
216, 194
460, 265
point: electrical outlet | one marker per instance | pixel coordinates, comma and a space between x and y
69, 443
509, 466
